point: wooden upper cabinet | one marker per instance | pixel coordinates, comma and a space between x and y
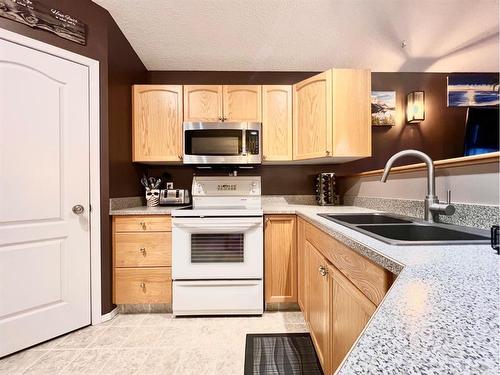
202, 103
242, 103
277, 122
350, 312
319, 305
331, 115
280, 252
352, 131
156, 123
312, 117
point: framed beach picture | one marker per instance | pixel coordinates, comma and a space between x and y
473, 90
383, 108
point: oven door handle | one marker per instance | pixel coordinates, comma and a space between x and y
219, 228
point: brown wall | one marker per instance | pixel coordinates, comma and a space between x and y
119, 60
124, 69
441, 135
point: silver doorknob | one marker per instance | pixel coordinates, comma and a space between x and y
78, 209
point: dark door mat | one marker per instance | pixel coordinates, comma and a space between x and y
281, 354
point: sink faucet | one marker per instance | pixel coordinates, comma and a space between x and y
432, 207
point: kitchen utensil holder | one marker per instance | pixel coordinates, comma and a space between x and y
152, 197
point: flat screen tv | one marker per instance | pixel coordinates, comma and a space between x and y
481, 130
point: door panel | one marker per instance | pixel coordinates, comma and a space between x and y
280, 251
312, 117
157, 123
44, 168
202, 103
34, 263
302, 269
319, 304
350, 312
242, 103
277, 122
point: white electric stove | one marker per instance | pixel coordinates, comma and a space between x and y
217, 255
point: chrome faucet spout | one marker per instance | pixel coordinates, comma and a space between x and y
432, 207
431, 184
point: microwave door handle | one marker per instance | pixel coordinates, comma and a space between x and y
243, 142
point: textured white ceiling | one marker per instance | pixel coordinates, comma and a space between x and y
311, 35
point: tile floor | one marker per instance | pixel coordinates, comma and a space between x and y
152, 344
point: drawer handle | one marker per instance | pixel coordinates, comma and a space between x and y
322, 270
143, 286
143, 225
143, 251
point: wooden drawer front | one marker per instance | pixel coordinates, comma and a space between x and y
143, 285
374, 281
146, 223
143, 249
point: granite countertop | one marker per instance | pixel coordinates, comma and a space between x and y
441, 314
144, 210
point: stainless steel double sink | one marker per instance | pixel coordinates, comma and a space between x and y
402, 230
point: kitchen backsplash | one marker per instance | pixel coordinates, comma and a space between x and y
470, 215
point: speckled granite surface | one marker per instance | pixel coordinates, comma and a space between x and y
137, 206
441, 315
469, 215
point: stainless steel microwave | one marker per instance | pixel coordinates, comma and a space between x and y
222, 142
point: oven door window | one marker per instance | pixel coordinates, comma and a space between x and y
223, 142
217, 248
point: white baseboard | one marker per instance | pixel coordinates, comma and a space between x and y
110, 315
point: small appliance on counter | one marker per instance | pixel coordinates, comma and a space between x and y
325, 189
169, 197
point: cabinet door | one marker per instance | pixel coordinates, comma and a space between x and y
312, 117
280, 259
352, 128
319, 304
350, 311
242, 103
302, 269
277, 122
157, 123
202, 103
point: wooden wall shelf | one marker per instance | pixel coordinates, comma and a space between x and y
492, 157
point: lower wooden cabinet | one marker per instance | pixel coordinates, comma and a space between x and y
302, 269
280, 254
143, 285
350, 310
142, 259
319, 304
338, 292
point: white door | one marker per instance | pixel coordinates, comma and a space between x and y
44, 172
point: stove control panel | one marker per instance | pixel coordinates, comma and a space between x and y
210, 186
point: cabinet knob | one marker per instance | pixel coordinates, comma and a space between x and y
322, 270
143, 225
327, 153
180, 157
221, 118
142, 285
143, 251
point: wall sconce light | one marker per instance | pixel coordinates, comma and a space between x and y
415, 107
